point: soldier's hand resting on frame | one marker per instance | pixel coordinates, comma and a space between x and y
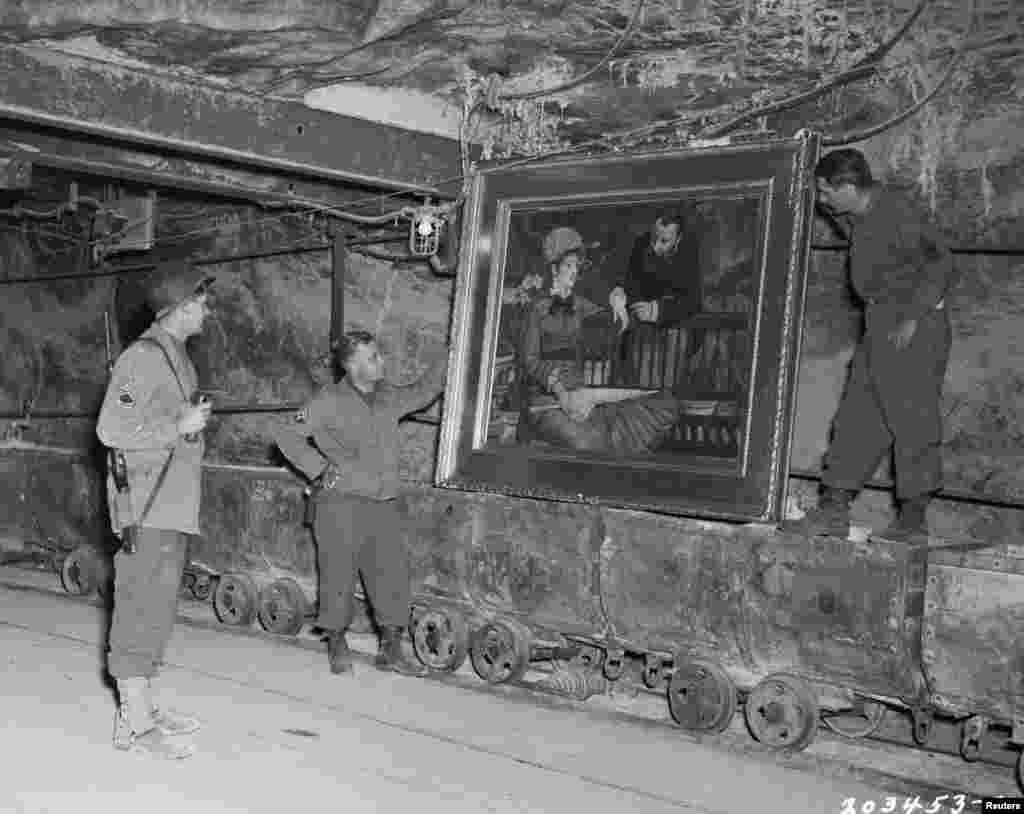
194, 418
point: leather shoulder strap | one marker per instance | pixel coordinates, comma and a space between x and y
150, 341
170, 457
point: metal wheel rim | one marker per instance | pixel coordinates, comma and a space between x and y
701, 697
233, 601
494, 654
277, 612
202, 589
77, 575
778, 716
439, 641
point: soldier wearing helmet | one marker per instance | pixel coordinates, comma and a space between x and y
152, 422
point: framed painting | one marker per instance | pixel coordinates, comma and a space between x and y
627, 327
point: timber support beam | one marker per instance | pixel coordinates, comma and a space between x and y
123, 120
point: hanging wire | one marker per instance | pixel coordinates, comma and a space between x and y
867, 132
579, 80
386, 37
861, 69
612, 141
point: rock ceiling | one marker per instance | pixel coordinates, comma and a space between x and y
693, 63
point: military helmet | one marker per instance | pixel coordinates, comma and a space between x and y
171, 283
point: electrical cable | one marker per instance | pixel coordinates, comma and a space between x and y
579, 80
608, 141
861, 69
332, 80
387, 37
868, 132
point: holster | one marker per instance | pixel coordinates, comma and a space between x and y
129, 536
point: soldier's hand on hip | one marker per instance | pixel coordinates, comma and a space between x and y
195, 418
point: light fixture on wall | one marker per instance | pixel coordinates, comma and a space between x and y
427, 223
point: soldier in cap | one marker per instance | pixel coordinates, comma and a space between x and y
353, 425
902, 272
152, 424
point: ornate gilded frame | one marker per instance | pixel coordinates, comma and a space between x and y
752, 487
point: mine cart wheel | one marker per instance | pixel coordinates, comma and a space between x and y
282, 607
79, 572
782, 712
701, 696
234, 601
440, 639
500, 651
202, 587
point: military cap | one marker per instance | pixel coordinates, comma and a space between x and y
171, 283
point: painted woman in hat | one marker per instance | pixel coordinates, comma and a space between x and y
561, 410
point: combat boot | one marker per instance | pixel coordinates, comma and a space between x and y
391, 657
338, 654
911, 525
135, 729
831, 518
168, 721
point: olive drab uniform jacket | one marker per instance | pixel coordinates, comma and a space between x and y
139, 416
356, 432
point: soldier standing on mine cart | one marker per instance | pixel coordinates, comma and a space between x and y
354, 426
153, 426
902, 272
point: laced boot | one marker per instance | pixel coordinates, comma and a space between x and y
338, 654
831, 517
391, 657
135, 729
168, 721
911, 525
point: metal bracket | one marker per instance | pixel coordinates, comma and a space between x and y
923, 720
614, 664
654, 674
971, 737
1017, 735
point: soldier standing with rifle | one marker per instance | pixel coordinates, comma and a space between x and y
353, 425
152, 421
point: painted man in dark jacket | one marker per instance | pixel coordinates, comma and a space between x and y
902, 272
353, 425
664, 287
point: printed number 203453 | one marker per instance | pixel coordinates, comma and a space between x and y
953, 803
